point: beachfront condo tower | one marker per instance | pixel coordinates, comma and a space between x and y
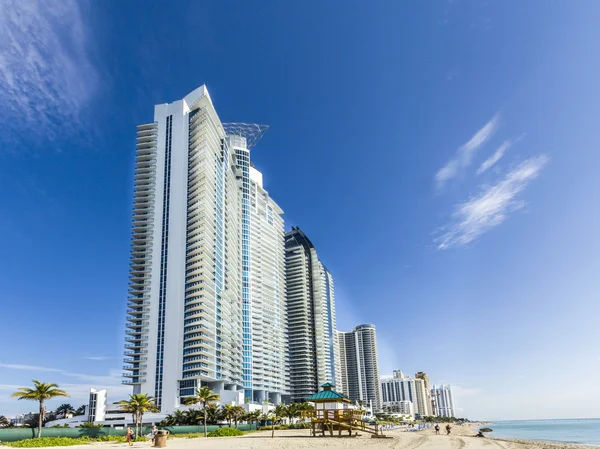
313, 344
401, 388
200, 217
444, 403
425, 378
360, 365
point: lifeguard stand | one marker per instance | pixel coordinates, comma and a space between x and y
335, 413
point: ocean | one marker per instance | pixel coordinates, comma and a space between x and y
582, 431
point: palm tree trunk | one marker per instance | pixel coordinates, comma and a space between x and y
40, 419
204, 420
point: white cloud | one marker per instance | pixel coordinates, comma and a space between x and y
491, 206
27, 367
46, 77
489, 162
97, 358
498, 154
464, 155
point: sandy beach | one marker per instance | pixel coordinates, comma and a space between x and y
462, 438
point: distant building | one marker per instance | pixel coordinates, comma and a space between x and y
360, 368
444, 403
403, 388
405, 408
313, 343
422, 375
98, 411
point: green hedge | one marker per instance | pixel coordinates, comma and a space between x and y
226, 432
18, 434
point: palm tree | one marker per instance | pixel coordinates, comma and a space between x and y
204, 396
251, 417
137, 405
293, 411
40, 392
4, 421
79, 411
237, 413
281, 410
65, 409
227, 413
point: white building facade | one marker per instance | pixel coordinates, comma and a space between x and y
190, 306
443, 400
360, 370
313, 344
403, 388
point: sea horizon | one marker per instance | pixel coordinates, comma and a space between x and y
564, 430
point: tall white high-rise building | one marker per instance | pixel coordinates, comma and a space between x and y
444, 403
403, 388
313, 344
190, 320
360, 367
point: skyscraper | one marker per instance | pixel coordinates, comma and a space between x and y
190, 320
444, 403
360, 373
314, 355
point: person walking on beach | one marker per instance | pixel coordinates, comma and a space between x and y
153, 434
129, 436
437, 429
448, 428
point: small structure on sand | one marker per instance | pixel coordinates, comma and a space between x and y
334, 413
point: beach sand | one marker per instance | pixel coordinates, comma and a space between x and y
462, 437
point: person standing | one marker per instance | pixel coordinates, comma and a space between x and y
448, 428
153, 434
437, 429
129, 436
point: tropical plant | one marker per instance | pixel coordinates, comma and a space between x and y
237, 413
40, 392
251, 417
227, 413
226, 432
137, 405
79, 411
204, 396
64, 409
4, 421
90, 425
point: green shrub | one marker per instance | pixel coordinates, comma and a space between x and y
226, 432
47, 441
184, 435
300, 425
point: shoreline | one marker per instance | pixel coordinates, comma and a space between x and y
517, 443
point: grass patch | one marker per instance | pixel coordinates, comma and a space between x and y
65, 441
226, 432
185, 435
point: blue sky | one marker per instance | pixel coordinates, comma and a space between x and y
442, 156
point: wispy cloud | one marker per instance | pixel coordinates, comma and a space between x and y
489, 162
464, 155
498, 154
491, 206
27, 367
46, 77
98, 357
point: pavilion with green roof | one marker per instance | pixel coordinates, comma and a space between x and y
335, 411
